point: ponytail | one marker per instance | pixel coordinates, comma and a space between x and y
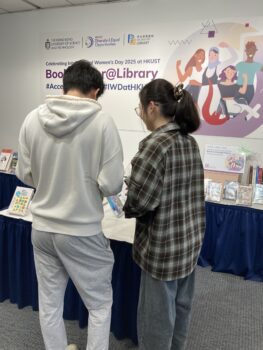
186, 114
175, 103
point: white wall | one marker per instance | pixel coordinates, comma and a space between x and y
20, 53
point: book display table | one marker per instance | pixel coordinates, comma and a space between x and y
18, 280
19, 284
233, 243
233, 240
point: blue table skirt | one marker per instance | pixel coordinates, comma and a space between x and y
233, 243
19, 284
233, 240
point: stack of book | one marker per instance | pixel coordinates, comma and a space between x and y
255, 175
233, 191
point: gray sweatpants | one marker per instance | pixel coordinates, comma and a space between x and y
88, 261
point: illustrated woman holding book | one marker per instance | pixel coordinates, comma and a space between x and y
166, 196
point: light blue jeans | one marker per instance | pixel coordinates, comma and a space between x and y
164, 312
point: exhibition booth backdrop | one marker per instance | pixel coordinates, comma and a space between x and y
132, 43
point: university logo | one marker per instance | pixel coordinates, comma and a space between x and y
47, 44
140, 39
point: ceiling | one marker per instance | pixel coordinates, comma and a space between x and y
11, 6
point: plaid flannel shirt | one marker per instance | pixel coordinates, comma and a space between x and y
166, 196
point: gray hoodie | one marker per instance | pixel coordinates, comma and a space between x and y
71, 152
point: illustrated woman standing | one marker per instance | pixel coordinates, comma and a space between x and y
193, 72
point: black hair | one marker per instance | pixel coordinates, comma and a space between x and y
180, 109
81, 75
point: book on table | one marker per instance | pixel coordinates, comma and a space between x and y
13, 163
230, 190
258, 194
20, 201
5, 159
244, 195
214, 191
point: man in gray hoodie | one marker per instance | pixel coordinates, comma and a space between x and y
70, 152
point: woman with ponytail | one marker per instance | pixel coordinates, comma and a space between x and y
166, 196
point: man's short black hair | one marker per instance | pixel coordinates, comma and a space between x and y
82, 76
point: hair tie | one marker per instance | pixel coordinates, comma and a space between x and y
179, 92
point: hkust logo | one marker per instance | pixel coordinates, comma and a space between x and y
47, 44
139, 39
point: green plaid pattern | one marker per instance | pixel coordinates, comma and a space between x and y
166, 196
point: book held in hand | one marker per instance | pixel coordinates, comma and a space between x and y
20, 201
116, 205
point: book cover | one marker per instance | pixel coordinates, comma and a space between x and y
260, 175
258, 194
257, 169
254, 176
244, 195
250, 175
20, 201
214, 191
5, 159
206, 185
230, 190
116, 205
12, 168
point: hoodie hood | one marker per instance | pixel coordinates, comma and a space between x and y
60, 115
